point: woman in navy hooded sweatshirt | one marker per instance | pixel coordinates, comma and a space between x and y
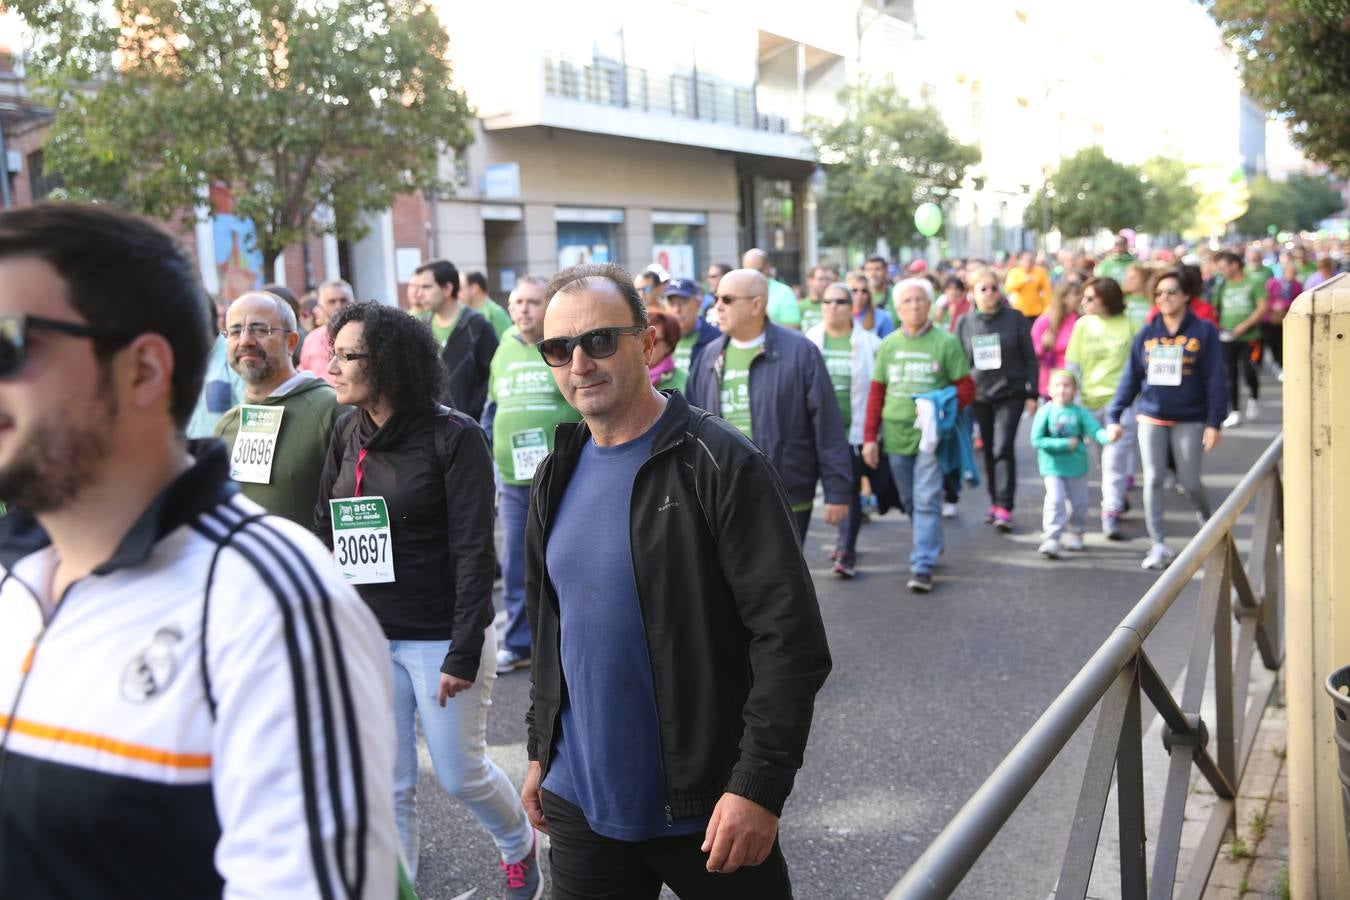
1176, 370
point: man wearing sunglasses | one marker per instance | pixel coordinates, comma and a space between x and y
678, 646
772, 384
287, 415
192, 701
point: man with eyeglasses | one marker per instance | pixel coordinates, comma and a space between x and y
278, 436
678, 645
772, 384
193, 703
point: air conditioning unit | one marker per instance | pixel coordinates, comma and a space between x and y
13, 162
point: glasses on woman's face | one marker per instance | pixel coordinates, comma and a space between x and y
1167, 292
343, 356
837, 301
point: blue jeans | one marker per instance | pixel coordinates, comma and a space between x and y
457, 743
513, 507
919, 481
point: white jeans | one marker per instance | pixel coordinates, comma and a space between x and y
457, 741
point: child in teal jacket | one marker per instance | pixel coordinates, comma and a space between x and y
1060, 433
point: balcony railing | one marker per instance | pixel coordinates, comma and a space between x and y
682, 95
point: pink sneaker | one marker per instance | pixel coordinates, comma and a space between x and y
1002, 519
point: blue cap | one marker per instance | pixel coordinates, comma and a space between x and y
682, 287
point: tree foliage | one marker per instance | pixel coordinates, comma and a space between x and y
1170, 202
298, 106
1294, 205
1294, 57
883, 159
1088, 192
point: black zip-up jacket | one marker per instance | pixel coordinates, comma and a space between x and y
734, 633
467, 356
794, 415
1019, 376
440, 494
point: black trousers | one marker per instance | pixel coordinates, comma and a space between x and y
998, 423
587, 866
801, 518
1237, 355
1273, 337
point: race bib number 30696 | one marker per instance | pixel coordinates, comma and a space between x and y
256, 444
362, 545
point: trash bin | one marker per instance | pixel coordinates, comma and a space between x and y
1338, 686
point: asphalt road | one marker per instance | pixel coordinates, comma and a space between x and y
927, 695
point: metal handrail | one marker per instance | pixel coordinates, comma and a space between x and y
1113, 677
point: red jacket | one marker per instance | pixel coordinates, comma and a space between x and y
1200, 306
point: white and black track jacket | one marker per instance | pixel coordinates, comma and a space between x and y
207, 714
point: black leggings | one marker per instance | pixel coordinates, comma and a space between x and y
1238, 355
1273, 337
998, 423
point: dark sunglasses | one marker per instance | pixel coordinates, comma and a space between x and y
837, 301
14, 328
598, 343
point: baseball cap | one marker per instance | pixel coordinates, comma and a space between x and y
659, 271
682, 287
917, 266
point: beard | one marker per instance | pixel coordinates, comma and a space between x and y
254, 371
61, 456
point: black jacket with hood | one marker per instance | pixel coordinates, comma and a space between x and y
440, 493
1019, 375
467, 356
734, 633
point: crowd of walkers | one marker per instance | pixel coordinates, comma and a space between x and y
312, 575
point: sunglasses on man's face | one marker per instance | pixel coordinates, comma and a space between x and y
14, 329
598, 343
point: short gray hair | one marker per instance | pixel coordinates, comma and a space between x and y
284, 312
923, 283
337, 283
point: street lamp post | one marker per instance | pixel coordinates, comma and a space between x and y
4, 168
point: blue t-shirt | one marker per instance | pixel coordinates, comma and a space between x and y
607, 754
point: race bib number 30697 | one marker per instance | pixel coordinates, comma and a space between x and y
362, 546
256, 444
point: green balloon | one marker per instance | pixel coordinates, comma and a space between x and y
1272, 230
928, 219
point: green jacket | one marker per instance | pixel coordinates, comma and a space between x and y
302, 448
1051, 431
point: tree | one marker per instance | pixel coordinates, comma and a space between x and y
1089, 192
1170, 202
1294, 205
298, 106
883, 159
1292, 56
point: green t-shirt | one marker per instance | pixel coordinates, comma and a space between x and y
811, 312
1099, 347
909, 366
838, 353
782, 306
439, 332
684, 351
674, 380
529, 408
1114, 266
497, 317
1137, 308
882, 299
736, 386
1236, 300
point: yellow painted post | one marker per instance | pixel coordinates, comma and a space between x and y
1317, 578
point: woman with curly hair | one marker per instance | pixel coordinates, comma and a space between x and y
419, 477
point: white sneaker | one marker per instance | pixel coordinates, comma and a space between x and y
1072, 541
949, 510
509, 662
1234, 419
1158, 557
1253, 409
1049, 548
